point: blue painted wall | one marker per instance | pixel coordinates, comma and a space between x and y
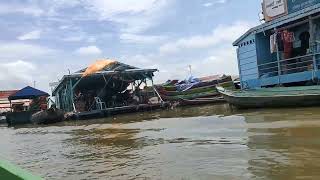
247, 59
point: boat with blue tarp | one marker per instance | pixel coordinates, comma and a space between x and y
37, 111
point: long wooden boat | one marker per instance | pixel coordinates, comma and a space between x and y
204, 83
191, 91
273, 97
201, 101
212, 93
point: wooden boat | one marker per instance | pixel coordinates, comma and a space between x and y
191, 91
49, 116
201, 101
205, 81
3, 119
273, 97
15, 118
212, 93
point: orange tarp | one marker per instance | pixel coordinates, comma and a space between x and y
97, 66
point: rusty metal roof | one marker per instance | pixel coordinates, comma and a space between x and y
6, 94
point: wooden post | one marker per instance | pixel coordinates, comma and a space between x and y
74, 86
152, 84
278, 59
312, 47
239, 67
71, 96
10, 105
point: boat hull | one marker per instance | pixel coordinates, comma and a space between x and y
15, 118
191, 96
201, 101
189, 92
261, 102
48, 116
289, 99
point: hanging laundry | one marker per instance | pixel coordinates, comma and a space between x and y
280, 42
273, 41
288, 38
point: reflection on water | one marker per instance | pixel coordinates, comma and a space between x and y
207, 142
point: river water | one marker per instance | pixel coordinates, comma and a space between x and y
207, 142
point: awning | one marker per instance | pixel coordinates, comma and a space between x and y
27, 93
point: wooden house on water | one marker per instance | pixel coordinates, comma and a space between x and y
117, 87
285, 49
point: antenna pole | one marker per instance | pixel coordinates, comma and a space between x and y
190, 70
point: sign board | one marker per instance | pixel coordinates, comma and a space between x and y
274, 8
297, 5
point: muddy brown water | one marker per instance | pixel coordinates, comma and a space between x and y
207, 142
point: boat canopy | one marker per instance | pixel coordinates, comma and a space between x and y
27, 93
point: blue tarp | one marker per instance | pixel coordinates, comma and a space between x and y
27, 93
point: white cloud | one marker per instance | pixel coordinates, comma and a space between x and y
133, 16
13, 50
16, 74
109, 8
64, 27
221, 34
88, 50
221, 60
207, 4
18, 8
74, 38
91, 39
78, 36
30, 35
136, 38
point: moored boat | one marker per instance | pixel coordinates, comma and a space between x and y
191, 91
49, 116
201, 101
211, 93
194, 88
18, 115
273, 97
200, 82
15, 118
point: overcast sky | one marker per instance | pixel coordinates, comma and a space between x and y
42, 39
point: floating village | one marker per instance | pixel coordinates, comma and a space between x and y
278, 64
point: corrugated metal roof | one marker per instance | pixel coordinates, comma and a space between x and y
280, 21
117, 68
6, 94
27, 93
